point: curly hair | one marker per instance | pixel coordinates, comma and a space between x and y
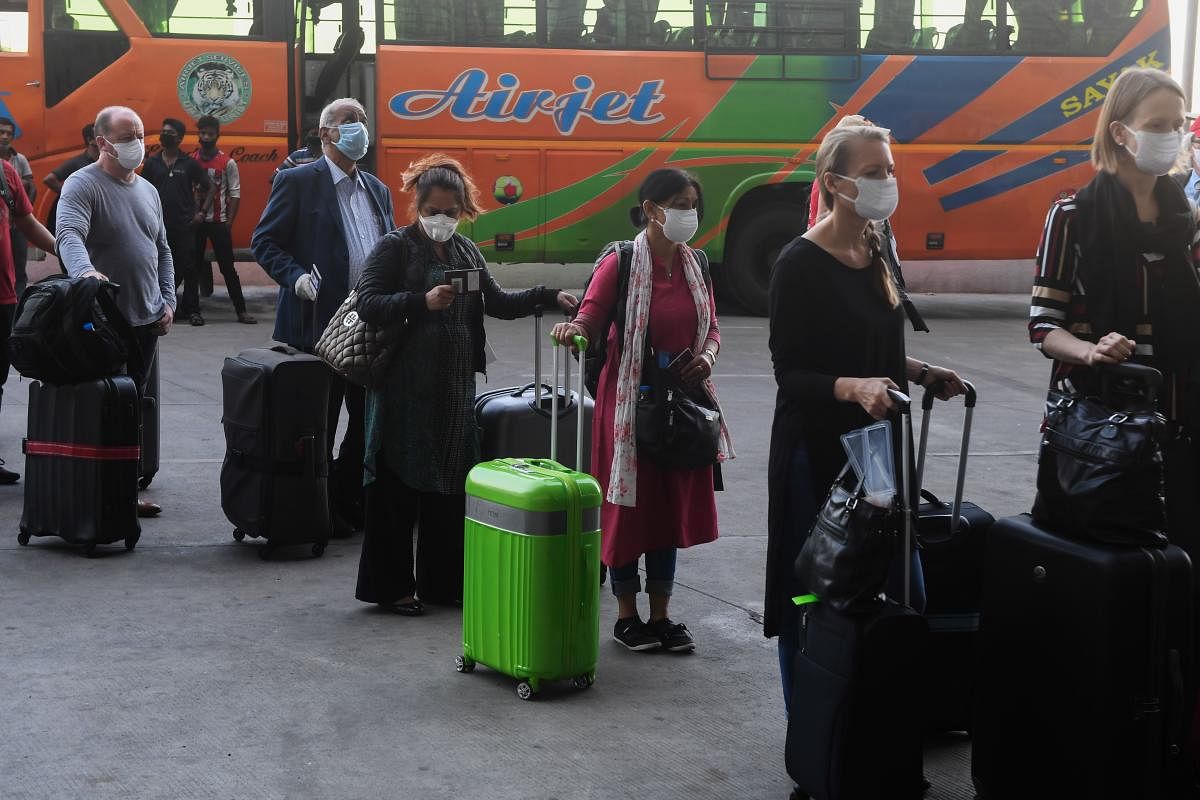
439, 171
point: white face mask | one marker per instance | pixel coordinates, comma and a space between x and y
439, 227
1156, 153
130, 154
877, 197
681, 225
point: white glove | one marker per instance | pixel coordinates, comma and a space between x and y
306, 288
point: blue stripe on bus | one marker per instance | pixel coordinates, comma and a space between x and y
1053, 114
1014, 179
958, 163
932, 89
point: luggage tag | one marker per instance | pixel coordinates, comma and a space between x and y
316, 273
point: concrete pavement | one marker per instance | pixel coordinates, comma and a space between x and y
191, 669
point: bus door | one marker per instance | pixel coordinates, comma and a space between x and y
23, 76
336, 58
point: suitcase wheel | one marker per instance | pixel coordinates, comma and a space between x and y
145, 481
463, 665
582, 681
525, 691
318, 549
131, 541
238, 534
23, 537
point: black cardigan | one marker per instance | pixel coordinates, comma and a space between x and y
392, 288
827, 321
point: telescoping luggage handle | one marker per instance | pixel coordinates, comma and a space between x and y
904, 410
926, 408
582, 343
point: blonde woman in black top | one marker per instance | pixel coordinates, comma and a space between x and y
837, 344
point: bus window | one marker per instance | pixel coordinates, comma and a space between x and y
209, 18
84, 40
470, 22
904, 25
783, 25
638, 24
14, 26
324, 28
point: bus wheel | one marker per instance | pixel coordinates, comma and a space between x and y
754, 247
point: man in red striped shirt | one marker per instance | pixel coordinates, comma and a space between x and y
220, 212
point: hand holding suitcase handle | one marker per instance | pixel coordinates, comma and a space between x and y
1134, 373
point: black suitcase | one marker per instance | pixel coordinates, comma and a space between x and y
274, 479
82, 462
1086, 673
151, 422
516, 421
855, 728
952, 537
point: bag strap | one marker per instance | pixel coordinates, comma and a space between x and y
10, 200
105, 294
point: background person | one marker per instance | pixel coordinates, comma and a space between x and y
328, 213
219, 212
178, 178
16, 213
305, 155
110, 223
649, 510
19, 245
837, 345
421, 433
54, 180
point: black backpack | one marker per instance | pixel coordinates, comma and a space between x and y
69, 330
597, 354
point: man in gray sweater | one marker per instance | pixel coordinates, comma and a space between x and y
110, 224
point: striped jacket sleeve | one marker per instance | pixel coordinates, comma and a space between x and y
1054, 282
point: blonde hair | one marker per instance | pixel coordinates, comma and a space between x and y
834, 157
1127, 93
440, 171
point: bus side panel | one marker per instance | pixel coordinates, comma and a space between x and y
22, 93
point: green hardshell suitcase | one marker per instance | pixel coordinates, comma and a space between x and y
531, 577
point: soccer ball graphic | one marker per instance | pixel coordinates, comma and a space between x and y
508, 190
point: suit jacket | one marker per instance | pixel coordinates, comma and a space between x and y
302, 226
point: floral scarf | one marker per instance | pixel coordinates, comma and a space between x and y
622, 484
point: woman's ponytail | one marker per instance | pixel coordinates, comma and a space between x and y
879, 262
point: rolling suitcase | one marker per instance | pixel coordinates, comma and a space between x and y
855, 733
274, 479
82, 462
531, 599
1086, 674
151, 423
952, 536
517, 422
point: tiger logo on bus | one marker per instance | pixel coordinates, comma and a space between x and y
214, 84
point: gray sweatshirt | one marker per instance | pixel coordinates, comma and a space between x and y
117, 228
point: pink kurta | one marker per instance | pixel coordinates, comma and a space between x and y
675, 508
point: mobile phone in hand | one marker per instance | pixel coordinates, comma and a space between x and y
680, 362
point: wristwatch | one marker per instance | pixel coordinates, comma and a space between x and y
922, 375
712, 356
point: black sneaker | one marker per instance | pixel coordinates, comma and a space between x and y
674, 636
7, 476
635, 634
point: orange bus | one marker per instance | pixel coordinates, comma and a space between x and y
560, 107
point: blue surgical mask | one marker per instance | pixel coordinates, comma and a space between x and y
353, 140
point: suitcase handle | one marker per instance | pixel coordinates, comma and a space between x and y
969, 401
581, 342
904, 411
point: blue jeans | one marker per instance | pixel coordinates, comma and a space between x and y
802, 507
660, 574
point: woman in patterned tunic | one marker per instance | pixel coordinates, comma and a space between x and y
420, 423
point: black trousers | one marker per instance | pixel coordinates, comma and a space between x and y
222, 243
182, 241
346, 473
20, 254
395, 512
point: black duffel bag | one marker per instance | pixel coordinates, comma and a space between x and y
70, 330
1100, 470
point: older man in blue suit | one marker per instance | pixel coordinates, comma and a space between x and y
320, 223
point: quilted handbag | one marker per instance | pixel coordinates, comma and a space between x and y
355, 349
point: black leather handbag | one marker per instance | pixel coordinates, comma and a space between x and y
675, 428
1100, 473
845, 559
